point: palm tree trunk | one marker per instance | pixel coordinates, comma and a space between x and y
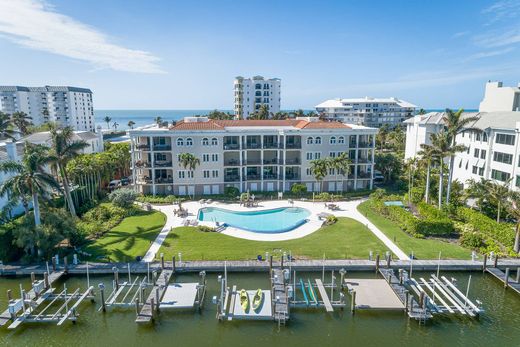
498, 213
441, 179
427, 193
66, 187
36, 209
516, 246
450, 177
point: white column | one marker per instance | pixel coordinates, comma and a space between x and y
132, 153
262, 163
152, 155
373, 161
356, 162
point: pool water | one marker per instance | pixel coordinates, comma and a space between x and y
276, 220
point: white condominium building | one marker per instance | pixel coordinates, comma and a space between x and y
492, 142
66, 106
500, 98
254, 155
372, 112
251, 93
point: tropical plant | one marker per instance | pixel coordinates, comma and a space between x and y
158, 120
189, 161
455, 124
298, 113
513, 208
107, 120
131, 124
29, 176
22, 122
397, 139
299, 189
115, 125
441, 145
428, 155
341, 166
411, 167
382, 135
123, 197
389, 164
421, 111
261, 113
319, 168
6, 127
280, 115
63, 149
219, 115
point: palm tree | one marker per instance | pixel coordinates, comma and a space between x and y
158, 120
115, 125
311, 114
131, 124
411, 165
188, 160
498, 193
441, 145
107, 120
382, 135
261, 113
421, 111
64, 149
319, 169
341, 165
22, 121
514, 210
29, 176
6, 127
427, 154
455, 125
298, 113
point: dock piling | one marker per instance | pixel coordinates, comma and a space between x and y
353, 302
270, 263
406, 301
495, 261
53, 264
388, 260
484, 263
173, 264
9, 295
102, 292
377, 262
46, 280
157, 299
137, 307
518, 275
506, 278
66, 263
152, 304
421, 299
162, 261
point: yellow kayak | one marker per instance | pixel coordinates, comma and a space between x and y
244, 300
258, 299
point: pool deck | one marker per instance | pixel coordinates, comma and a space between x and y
345, 209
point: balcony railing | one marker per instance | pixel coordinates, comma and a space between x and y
253, 177
272, 145
292, 177
231, 146
232, 178
296, 145
232, 162
162, 147
145, 147
163, 164
365, 145
272, 177
164, 180
144, 180
273, 161
253, 162
254, 145
292, 161
364, 175
143, 164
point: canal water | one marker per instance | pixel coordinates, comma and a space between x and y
498, 326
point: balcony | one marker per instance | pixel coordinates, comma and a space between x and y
253, 145
292, 177
274, 161
144, 180
253, 177
272, 176
231, 178
164, 147
253, 162
365, 145
273, 145
231, 146
145, 147
141, 164
292, 161
293, 145
364, 175
232, 162
161, 163
164, 180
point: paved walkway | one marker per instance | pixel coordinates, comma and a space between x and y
346, 209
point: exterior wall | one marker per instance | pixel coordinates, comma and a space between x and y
417, 134
259, 166
500, 98
248, 97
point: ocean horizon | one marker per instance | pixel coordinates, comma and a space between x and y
146, 117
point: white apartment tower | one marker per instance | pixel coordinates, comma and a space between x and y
500, 98
66, 106
368, 111
251, 93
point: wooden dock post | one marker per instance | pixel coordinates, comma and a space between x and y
152, 305
173, 264
157, 299
377, 262
33, 277
484, 263
9, 295
162, 261
102, 292
421, 300
53, 264
66, 263
137, 307
401, 276
495, 261
506, 278
281, 261
270, 263
116, 278
388, 260
407, 297
518, 275
46, 280
353, 302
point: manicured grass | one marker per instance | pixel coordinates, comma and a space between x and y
131, 238
347, 239
422, 248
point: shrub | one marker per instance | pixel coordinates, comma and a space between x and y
123, 197
472, 239
158, 199
298, 189
103, 218
331, 220
231, 192
205, 228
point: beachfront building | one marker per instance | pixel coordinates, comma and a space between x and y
368, 111
254, 155
492, 142
66, 106
251, 93
500, 98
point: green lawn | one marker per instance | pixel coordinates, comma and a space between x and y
422, 248
132, 237
347, 239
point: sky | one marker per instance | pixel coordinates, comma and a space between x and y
185, 54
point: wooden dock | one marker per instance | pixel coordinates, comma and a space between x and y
501, 275
279, 296
324, 296
5, 316
146, 314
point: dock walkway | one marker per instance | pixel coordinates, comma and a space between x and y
500, 275
146, 313
279, 297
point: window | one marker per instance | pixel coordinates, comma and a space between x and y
214, 173
474, 170
317, 155
189, 141
180, 142
483, 153
190, 174
205, 158
341, 140
460, 163
467, 149
481, 171
308, 171
331, 172
214, 141
205, 141
333, 140
318, 140
205, 173
517, 182
332, 154
503, 158
467, 164
484, 137
309, 155
477, 136
182, 174
310, 140
505, 139
214, 157
500, 175
476, 154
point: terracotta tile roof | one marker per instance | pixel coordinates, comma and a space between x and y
222, 124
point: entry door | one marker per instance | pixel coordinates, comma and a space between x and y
182, 190
309, 187
316, 187
270, 186
332, 186
191, 190
207, 190
215, 189
254, 187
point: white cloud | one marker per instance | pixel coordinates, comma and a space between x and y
504, 9
498, 39
460, 34
489, 54
35, 24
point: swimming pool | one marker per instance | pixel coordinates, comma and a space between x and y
278, 220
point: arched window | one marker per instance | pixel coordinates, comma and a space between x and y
189, 141
310, 140
341, 140
180, 142
258, 86
317, 140
205, 141
214, 141
333, 140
